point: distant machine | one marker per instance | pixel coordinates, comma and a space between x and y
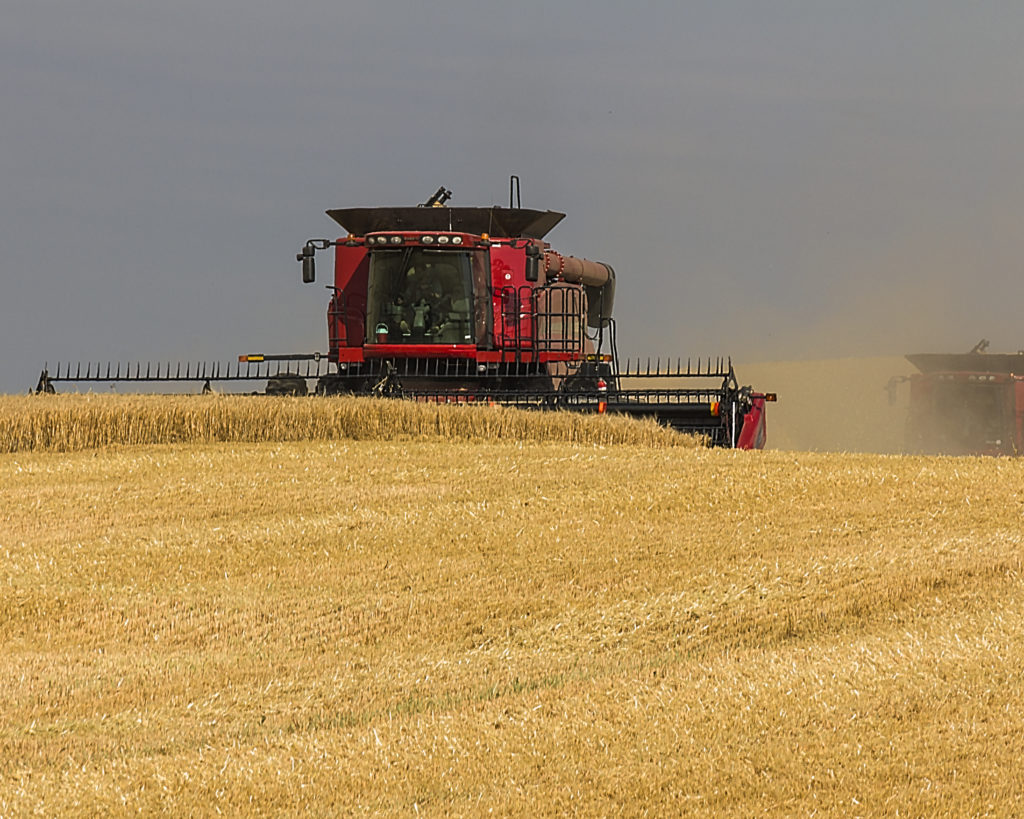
965, 403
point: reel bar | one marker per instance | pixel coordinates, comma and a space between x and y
255, 368
137, 372
699, 368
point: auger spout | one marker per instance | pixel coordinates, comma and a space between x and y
597, 277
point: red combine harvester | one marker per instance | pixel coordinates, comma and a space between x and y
467, 305
965, 403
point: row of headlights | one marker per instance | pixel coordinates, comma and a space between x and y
395, 239
950, 377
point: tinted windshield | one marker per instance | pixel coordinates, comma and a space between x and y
420, 296
970, 417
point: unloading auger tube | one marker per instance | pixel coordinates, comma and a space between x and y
597, 277
572, 269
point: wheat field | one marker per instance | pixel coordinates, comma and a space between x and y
435, 621
66, 423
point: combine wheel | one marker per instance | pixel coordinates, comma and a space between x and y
337, 385
287, 384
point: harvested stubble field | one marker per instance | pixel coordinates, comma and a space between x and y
428, 621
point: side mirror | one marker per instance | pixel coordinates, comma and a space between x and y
532, 263
308, 265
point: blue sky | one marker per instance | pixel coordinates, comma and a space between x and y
769, 180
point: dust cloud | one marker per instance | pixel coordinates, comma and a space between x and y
908, 301
833, 405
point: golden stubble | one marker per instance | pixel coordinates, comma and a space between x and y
444, 625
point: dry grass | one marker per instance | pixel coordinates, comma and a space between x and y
67, 423
443, 626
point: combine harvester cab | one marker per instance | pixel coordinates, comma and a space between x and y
472, 305
966, 403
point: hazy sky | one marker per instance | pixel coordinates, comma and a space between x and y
769, 180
